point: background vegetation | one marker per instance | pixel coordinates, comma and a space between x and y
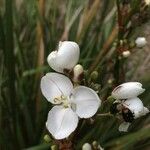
31, 29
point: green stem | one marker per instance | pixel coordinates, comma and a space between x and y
10, 65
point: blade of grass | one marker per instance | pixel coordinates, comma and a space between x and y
105, 48
39, 147
10, 64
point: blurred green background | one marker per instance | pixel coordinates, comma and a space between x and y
31, 29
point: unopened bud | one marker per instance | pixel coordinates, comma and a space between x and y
78, 73
54, 147
126, 54
47, 138
121, 42
95, 144
86, 146
110, 99
94, 75
110, 81
140, 42
147, 2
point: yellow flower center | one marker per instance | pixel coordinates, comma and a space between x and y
63, 100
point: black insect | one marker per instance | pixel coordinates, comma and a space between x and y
127, 115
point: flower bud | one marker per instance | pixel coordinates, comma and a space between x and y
94, 75
86, 146
147, 2
95, 144
47, 138
126, 54
66, 57
78, 73
140, 42
54, 147
110, 99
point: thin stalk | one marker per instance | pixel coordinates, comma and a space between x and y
119, 74
105, 48
105, 115
40, 45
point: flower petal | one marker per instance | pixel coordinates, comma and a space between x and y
66, 57
127, 90
135, 105
145, 111
124, 127
86, 100
53, 62
53, 85
61, 122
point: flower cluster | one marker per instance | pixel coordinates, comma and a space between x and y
71, 102
127, 104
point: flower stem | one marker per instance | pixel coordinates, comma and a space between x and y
65, 144
105, 114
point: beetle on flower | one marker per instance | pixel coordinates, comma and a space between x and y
71, 104
128, 104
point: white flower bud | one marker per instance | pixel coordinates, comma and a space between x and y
77, 73
147, 2
140, 42
95, 144
86, 146
126, 54
66, 57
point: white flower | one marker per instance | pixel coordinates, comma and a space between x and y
86, 146
140, 42
137, 110
66, 57
71, 103
128, 90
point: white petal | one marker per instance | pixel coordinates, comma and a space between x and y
66, 57
135, 105
54, 85
61, 122
145, 111
124, 127
86, 146
86, 100
53, 62
127, 90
